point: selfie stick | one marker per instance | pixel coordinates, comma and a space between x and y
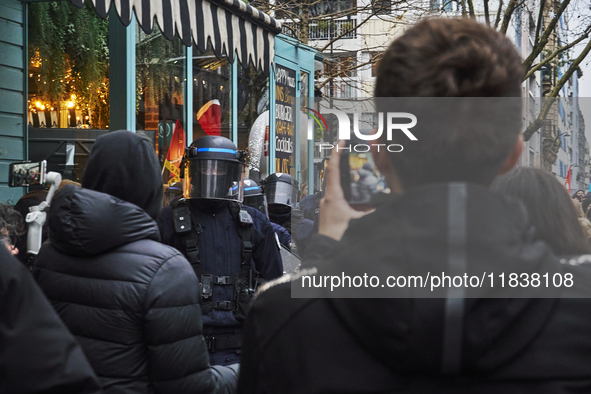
36, 218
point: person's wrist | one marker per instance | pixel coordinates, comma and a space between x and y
332, 232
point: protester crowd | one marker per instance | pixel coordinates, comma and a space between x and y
126, 296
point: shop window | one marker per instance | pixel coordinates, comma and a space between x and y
68, 67
68, 84
212, 103
160, 79
253, 120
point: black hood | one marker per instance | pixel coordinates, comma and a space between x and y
411, 233
124, 165
83, 222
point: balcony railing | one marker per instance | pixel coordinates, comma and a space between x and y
324, 30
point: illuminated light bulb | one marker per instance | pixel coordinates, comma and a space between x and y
70, 104
42, 108
38, 104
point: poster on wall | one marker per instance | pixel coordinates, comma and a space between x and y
285, 101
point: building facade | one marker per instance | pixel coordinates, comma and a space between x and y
206, 67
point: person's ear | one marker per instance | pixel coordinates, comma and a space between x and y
513, 157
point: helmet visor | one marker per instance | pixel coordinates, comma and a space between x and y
213, 179
257, 202
281, 193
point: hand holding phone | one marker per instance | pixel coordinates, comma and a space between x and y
360, 178
335, 211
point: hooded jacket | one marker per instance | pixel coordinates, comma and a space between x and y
131, 301
37, 353
401, 345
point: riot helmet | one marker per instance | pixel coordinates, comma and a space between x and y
212, 168
254, 197
172, 193
281, 189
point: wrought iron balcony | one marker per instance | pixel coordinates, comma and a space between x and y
324, 30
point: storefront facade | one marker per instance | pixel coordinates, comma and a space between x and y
206, 67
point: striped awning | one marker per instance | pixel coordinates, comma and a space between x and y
233, 27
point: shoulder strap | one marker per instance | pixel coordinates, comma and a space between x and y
245, 223
189, 235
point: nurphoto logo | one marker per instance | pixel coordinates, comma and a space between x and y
395, 121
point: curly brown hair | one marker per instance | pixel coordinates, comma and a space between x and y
462, 81
443, 57
11, 223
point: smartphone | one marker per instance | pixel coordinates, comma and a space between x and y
27, 173
360, 178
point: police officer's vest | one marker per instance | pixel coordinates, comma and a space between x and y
244, 283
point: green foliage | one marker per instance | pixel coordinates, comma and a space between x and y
160, 65
68, 52
46, 45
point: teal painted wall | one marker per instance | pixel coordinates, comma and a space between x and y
12, 96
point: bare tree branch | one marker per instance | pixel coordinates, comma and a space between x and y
539, 46
532, 128
344, 33
507, 16
554, 54
339, 73
540, 19
471, 9
498, 18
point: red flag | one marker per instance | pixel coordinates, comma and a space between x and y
567, 182
210, 117
176, 149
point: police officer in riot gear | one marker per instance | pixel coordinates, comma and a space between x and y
254, 197
281, 191
230, 246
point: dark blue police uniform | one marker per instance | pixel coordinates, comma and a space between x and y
219, 246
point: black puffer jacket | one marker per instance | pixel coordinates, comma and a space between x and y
131, 301
422, 345
37, 353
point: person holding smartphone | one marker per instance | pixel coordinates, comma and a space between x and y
442, 217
